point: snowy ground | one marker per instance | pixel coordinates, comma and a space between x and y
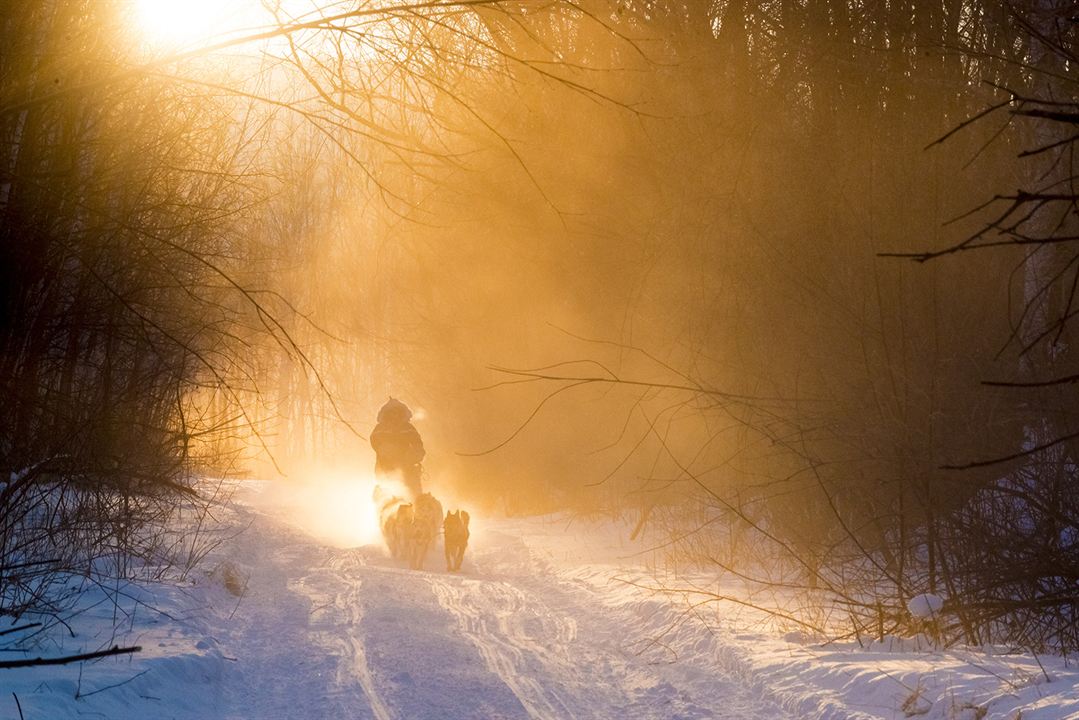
547, 620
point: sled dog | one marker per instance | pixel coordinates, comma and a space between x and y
394, 519
455, 529
397, 529
409, 529
424, 530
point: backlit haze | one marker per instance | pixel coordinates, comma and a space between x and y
647, 260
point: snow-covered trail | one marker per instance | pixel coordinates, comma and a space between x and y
539, 625
288, 651
328, 632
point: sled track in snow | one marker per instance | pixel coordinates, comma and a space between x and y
357, 635
350, 602
513, 636
408, 653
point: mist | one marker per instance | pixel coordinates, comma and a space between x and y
682, 222
752, 277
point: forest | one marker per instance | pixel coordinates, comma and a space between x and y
789, 284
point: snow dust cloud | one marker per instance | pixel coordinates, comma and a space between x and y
336, 508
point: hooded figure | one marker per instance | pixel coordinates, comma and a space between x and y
398, 447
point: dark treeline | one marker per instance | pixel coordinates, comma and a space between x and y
686, 211
838, 390
128, 299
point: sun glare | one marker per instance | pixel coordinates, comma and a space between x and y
335, 508
181, 23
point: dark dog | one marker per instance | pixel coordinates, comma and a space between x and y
424, 529
409, 529
455, 529
397, 527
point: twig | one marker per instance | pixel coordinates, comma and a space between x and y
29, 563
33, 662
1013, 456
114, 685
969, 121
21, 627
1039, 661
1034, 383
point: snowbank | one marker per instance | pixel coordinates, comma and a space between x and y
893, 678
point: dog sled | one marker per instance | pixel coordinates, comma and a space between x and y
412, 529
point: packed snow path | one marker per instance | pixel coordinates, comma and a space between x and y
303, 615
326, 632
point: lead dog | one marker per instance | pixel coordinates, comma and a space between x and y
455, 530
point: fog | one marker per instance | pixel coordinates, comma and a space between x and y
680, 220
753, 273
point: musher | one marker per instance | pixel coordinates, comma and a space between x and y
398, 447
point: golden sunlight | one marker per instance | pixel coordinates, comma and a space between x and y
171, 23
335, 507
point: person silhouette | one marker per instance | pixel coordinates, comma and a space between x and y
398, 447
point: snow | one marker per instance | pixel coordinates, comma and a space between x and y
550, 618
925, 606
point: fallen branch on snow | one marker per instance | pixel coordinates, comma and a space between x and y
31, 662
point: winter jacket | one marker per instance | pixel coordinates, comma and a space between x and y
398, 446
